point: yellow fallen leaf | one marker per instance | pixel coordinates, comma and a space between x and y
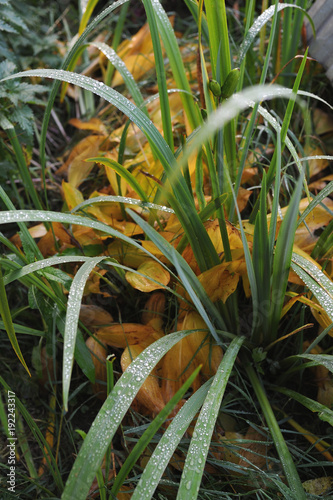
151, 270
122, 335
93, 124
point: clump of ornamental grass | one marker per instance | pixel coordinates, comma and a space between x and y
189, 288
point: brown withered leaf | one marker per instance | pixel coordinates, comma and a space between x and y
92, 315
254, 450
151, 270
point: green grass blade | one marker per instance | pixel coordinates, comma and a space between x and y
287, 119
110, 416
122, 68
160, 73
23, 168
168, 444
41, 264
129, 201
24, 329
282, 260
42, 443
320, 285
260, 22
72, 319
116, 40
262, 257
124, 173
287, 462
23, 228
200, 442
276, 195
324, 413
8, 323
169, 41
150, 432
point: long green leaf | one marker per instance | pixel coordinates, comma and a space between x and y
122, 68
287, 462
38, 435
260, 22
150, 432
200, 442
320, 285
8, 323
160, 73
169, 41
282, 260
168, 444
110, 416
324, 413
72, 319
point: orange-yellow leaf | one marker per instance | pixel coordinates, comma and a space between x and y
150, 270
122, 335
72, 195
177, 365
207, 354
149, 395
93, 124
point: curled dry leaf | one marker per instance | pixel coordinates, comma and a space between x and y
149, 395
151, 270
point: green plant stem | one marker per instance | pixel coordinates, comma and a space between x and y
287, 462
23, 169
115, 42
